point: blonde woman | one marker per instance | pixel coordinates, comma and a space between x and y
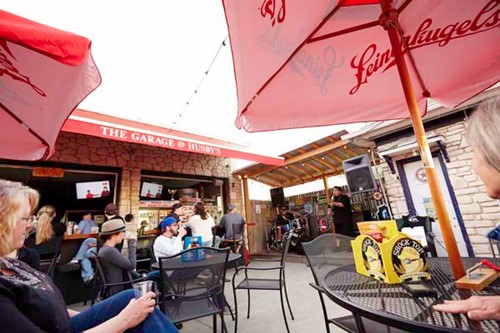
46, 228
484, 138
47, 237
31, 302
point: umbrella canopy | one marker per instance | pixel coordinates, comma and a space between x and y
44, 74
334, 62
302, 63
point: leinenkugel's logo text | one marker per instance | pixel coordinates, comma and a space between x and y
275, 13
7, 68
371, 61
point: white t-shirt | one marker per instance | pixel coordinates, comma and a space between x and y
201, 227
166, 247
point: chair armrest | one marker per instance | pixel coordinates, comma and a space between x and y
318, 288
257, 269
124, 283
263, 260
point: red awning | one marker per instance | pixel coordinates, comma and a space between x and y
119, 129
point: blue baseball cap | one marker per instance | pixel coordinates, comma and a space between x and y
167, 221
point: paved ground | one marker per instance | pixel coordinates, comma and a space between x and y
266, 315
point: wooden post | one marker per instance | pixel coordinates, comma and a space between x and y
248, 213
327, 189
391, 25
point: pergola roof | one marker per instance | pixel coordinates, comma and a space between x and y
305, 164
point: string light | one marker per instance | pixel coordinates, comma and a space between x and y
174, 122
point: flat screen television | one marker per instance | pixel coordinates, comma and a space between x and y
151, 190
92, 190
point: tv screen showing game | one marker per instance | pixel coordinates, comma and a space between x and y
151, 190
92, 190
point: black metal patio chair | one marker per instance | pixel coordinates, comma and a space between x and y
327, 252
192, 285
277, 284
103, 289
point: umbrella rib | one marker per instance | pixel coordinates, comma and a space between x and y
356, 28
42, 140
344, 31
323, 22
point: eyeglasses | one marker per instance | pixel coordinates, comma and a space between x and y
29, 219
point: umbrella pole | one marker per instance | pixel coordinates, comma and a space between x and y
389, 21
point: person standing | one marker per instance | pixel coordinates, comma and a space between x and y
201, 224
111, 212
342, 213
229, 220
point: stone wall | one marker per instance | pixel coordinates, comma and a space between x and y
132, 158
480, 213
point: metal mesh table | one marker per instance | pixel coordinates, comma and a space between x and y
392, 305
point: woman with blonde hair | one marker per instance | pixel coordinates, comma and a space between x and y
44, 229
48, 234
484, 139
31, 302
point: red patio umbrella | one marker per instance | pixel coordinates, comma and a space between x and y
324, 62
44, 74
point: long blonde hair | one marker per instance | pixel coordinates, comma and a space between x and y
484, 131
44, 230
13, 198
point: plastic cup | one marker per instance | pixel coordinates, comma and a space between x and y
142, 288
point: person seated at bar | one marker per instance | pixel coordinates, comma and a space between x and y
31, 302
48, 233
169, 243
483, 137
118, 268
201, 224
88, 247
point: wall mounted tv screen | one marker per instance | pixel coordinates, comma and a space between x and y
151, 190
92, 190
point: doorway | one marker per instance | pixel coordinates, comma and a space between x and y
419, 200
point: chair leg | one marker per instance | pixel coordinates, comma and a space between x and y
235, 309
283, 310
287, 301
214, 317
248, 311
325, 315
229, 307
224, 327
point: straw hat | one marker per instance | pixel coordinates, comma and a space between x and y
112, 226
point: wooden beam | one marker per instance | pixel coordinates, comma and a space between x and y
309, 164
248, 213
327, 189
326, 164
316, 151
271, 177
302, 171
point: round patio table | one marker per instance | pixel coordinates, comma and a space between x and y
392, 305
178, 263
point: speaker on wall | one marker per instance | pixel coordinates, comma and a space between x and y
277, 197
359, 174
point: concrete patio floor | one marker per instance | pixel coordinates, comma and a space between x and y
266, 315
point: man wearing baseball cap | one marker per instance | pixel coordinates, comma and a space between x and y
169, 242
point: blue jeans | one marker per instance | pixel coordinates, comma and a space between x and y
111, 307
83, 255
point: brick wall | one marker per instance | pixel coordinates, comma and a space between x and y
480, 213
132, 158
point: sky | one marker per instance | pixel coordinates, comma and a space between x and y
152, 55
